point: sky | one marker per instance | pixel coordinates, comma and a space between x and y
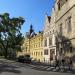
33, 11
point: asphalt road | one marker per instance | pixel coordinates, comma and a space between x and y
15, 68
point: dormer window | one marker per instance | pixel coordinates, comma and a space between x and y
61, 3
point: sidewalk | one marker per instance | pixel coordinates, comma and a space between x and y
6, 60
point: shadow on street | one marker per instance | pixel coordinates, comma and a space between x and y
8, 67
52, 69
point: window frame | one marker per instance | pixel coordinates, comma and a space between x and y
50, 41
46, 52
68, 24
45, 42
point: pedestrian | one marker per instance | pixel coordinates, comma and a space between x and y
70, 64
63, 62
57, 63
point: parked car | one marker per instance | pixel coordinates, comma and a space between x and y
27, 59
34, 61
24, 59
21, 59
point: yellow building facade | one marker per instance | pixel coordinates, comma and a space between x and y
36, 47
33, 46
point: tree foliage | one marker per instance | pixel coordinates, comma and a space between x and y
10, 35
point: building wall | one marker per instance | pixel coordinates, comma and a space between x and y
46, 38
49, 34
36, 47
68, 37
53, 36
55, 28
33, 47
65, 7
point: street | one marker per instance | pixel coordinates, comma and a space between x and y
15, 68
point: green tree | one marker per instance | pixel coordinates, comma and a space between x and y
10, 35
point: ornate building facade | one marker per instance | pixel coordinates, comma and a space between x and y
36, 47
49, 45
65, 27
60, 27
33, 45
58, 37
46, 39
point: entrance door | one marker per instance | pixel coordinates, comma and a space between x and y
52, 54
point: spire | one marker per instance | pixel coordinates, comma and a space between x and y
31, 29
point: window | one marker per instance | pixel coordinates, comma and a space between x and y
60, 29
26, 49
41, 53
39, 39
36, 53
50, 32
52, 52
46, 52
70, 49
53, 31
36, 45
61, 3
39, 44
50, 41
45, 42
68, 24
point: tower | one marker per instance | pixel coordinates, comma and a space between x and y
31, 29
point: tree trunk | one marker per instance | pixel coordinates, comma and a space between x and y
5, 53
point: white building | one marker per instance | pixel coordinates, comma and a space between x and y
49, 45
46, 39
